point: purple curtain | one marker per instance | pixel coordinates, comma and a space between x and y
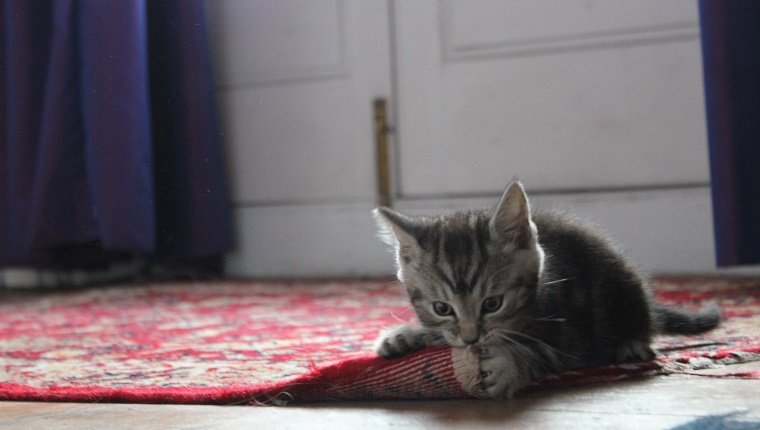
109, 144
731, 52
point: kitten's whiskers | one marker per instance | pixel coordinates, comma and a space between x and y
538, 341
556, 281
550, 319
542, 361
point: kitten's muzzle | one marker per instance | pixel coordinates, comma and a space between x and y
469, 333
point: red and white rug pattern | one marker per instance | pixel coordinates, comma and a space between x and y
250, 342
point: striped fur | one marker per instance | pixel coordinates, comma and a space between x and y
535, 293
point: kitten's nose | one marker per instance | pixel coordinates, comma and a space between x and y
470, 340
469, 333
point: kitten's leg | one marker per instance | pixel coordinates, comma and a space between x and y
402, 340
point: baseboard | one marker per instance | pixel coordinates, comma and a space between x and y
330, 240
663, 231
28, 278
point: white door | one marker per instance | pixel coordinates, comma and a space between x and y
568, 95
596, 105
296, 81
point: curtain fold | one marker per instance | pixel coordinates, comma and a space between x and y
110, 137
731, 55
184, 110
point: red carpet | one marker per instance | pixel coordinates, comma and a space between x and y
276, 342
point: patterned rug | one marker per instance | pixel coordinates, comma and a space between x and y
278, 342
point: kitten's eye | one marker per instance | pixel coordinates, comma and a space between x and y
443, 309
492, 304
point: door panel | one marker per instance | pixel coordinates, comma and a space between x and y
600, 95
297, 79
515, 27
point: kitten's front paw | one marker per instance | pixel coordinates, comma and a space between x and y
488, 372
401, 340
496, 373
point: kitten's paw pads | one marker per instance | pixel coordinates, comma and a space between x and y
635, 350
400, 341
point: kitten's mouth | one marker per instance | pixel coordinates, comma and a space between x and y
473, 346
485, 340
456, 342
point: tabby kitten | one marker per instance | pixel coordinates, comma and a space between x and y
525, 295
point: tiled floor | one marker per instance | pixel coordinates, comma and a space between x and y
662, 402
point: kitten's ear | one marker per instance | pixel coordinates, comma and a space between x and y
511, 223
399, 231
396, 229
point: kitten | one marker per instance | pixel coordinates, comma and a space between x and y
524, 294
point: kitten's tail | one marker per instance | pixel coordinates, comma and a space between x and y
677, 321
